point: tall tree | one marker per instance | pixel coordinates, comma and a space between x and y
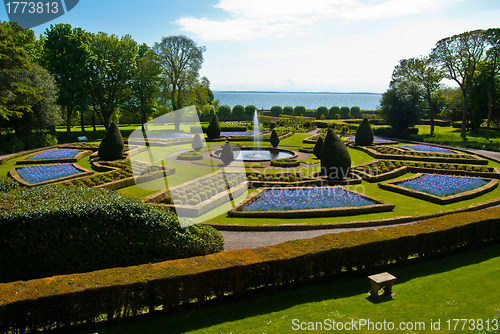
459, 56
14, 95
423, 72
67, 56
113, 63
493, 58
402, 104
181, 59
144, 84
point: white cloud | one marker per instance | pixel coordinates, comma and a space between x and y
284, 18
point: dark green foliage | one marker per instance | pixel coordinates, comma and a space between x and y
335, 159
322, 111
356, 112
111, 147
275, 139
197, 142
288, 110
250, 110
276, 111
213, 130
238, 110
7, 184
364, 134
335, 110
224, 111
345, 112
299, 110
285, 162
51, 230
318, 147
227, 155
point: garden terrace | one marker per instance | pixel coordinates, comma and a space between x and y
441, 189
386, 152
304, 202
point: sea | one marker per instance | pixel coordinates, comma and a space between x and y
265, 100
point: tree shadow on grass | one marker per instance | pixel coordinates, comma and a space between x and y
265, 302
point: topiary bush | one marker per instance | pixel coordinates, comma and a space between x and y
285, 162
318, 147
111, 147
364, 134
190, 155
50, 230
288, 110
335, 158
276, 111
275, 139
197, 143
322, 111
227, 154
213, 130
299, 110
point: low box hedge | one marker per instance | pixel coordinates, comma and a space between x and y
120, 292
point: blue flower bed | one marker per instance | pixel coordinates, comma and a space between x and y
170, 136
306, 199
37, 174
375, 139
443, 185
234, 133
56, 153
427, 148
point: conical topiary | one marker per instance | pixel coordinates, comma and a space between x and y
335, 158
111, 147
197, 143
364, 134
275, 139
227, 155
318, 147
213, 130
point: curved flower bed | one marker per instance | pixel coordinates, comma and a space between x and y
55, 153
236, 133
307, 202
375, 140
42, 173
441, 189
427, 148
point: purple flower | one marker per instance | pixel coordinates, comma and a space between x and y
55, 153
41, 173
442, 185
427, 148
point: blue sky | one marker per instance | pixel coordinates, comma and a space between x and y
291, 45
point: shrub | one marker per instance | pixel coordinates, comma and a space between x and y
8, 184
335, 158
334, 111
318, 147
345, 112
227, 155
276, 111
322, 111
111, 147
356, 112
54, 231
197, 143
286, 162
213, 130
250, 110
238, 110
288, 110
190, 155
299, 110
364, 134
224, 111
275, 139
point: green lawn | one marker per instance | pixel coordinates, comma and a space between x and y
451, 136
462, 286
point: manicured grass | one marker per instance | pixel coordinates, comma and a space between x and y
452, 136
463, 285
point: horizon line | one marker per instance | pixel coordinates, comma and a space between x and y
277, 92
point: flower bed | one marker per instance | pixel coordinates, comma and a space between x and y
376, 140
236, 133
307, 202
43, 174
441, 189
55, 153
428, 148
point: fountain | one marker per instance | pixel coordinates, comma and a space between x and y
255, 153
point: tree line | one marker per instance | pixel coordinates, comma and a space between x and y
470, 59
70, 74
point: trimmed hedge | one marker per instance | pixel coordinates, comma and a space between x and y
52, 230
122, 292
190, 155
112, 145
285, 162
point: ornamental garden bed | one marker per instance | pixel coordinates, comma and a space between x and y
395, 153
441, 189
306, 202
37, 175
382, 170
54, 155
376, 141
203, 194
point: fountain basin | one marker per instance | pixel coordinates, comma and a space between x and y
258, 154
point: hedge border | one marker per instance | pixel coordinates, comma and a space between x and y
85, 172
121, 292
237, 212
391, 186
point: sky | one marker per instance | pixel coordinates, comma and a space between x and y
290, 45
